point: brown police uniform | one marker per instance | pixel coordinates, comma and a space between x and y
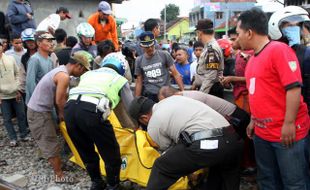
210, 67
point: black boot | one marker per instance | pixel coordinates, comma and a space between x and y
115, 187
93, 170
98, 185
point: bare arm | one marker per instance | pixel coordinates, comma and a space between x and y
177, 77
138, 88
292, 104
229, 79
62, 82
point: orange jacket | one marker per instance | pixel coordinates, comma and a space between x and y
109, 31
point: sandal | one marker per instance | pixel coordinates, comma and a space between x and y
3, 163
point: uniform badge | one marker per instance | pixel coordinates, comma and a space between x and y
293, 65
147, 38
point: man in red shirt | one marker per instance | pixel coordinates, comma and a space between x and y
280, 120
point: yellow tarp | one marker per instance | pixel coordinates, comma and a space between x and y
136, 152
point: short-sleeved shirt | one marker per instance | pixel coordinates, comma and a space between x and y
269, 74
175, 114
53, 21
154, 70
220, 105
193, 68
185, 72
210, 66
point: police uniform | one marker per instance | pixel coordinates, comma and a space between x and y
210, 66
87, 124
192, 139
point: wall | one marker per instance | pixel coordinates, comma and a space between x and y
177, 29
211, 8
43, 8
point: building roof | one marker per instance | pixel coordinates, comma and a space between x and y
231, 23
175, 22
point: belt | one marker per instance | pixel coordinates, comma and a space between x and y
88, 99
205, 134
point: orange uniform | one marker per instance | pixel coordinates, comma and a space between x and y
108, 31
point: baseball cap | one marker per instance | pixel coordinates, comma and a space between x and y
46, 35
81, 58
204, 24
65, 11
105, 7
139, 106
147, 39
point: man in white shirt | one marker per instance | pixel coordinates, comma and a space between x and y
51, 23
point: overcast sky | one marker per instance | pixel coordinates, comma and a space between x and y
136, 11
140, 10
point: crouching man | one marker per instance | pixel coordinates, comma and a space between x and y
86, 113
193, 136
239, 118
50, 91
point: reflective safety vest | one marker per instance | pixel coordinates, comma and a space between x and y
101, 82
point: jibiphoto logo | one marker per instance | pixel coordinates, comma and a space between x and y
50, 178
124, 163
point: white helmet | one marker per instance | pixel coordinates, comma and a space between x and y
115, 61
287, 14
85, 29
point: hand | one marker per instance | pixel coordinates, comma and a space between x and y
51, 30
61, 118
29, 16
18, 97
288, 134
250, 130
226, 80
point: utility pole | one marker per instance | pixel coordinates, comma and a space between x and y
227, 19
165, 22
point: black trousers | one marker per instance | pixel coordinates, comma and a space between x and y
242, 120
86, 128
180, 160
217, 90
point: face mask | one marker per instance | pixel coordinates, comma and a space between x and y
293, 34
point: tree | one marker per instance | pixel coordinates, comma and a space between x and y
172, 12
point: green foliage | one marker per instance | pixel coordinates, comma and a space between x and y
172, 12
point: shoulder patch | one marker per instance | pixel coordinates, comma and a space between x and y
292, 65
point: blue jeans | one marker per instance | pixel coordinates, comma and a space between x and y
282, 168
7, 108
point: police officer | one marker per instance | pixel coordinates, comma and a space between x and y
239, 118
86, 112
192, 138
211, 63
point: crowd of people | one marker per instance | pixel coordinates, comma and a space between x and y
47, 77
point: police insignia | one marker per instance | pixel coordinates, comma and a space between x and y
293, 65
147, 38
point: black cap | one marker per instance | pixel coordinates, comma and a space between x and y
204, 24
140, 106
